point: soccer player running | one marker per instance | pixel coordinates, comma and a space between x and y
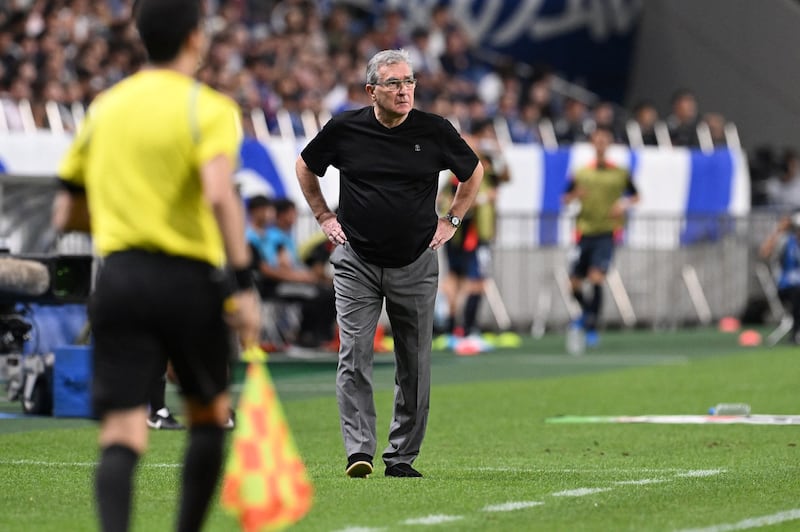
605, 192
154, 160
387, 231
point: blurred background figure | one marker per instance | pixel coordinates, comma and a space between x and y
783, 188
468, 253
645, 116
605, 193
682, 122
781, 249
282, 275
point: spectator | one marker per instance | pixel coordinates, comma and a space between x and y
574, 126
260, 217
682, 122
285, 277
645, 116
525, 127
604, 115
783, 189
716, 129
422, 56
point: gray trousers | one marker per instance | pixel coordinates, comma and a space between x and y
410, 294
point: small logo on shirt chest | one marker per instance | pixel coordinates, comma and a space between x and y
417, 147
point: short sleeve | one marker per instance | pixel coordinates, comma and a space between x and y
218, 127
72, 168
320, 152
459, 157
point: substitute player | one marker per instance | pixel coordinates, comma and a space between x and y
606, 192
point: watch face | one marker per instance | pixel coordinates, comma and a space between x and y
455, 220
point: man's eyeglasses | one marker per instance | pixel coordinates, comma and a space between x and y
395, 85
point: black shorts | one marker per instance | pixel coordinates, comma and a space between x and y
595, 251
150, 307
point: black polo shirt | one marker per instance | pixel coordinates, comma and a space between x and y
389, 179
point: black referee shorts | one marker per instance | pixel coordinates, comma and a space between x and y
149, 307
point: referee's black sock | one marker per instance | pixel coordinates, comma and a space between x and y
157, 394
114, 486
201, 469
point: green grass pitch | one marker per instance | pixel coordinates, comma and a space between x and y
490, 460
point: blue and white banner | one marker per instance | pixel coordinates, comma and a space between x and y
268, 169
686, 195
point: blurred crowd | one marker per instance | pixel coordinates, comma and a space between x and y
299, 56
299, 59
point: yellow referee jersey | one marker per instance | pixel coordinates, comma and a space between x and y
139, 154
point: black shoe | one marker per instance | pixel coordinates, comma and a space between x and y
359, 465
402, 470
163, 420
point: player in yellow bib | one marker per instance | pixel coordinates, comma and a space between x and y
605, 192
154, 161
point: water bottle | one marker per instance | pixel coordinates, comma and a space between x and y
730, 409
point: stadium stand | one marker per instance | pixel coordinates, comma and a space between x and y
275, 58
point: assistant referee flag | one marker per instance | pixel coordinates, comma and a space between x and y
265, 483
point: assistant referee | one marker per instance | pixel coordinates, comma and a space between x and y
154, 162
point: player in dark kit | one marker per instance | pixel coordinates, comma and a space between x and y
387, 231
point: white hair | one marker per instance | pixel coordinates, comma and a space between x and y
384, 58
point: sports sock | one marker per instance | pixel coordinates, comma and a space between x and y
471, 312
578, 295
114, 487
201, 470
157, 392
593, 307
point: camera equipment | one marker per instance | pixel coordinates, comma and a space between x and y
44, 280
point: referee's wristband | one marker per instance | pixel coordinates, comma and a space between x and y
243, 279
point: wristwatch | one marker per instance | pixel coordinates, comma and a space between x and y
455, 221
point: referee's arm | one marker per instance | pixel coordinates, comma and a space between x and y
70, 212
220, 193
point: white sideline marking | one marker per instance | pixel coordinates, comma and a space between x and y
579, 492
511, 506
700, 473
669, 470
753, 522
361, 529
72, 464
641, 482
433, 519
